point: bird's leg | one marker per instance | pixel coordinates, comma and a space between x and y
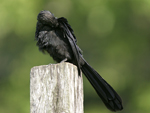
64, 60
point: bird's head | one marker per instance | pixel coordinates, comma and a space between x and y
46, 17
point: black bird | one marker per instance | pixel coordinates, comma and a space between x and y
56, 36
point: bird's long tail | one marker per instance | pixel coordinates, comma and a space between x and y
108, 95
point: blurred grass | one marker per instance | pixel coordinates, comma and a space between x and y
114, 37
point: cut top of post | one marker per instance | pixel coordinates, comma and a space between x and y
56, 88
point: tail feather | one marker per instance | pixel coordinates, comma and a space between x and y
108, 95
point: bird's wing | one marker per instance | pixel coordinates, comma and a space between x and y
64, 22
68, 32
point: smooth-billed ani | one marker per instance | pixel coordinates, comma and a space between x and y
56, 36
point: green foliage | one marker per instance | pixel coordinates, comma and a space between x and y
114, 36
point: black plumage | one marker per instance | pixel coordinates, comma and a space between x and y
55, 36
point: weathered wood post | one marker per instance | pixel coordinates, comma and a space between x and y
56, 88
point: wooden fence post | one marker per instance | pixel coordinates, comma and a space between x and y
56, 88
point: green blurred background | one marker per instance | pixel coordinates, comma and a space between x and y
115, 38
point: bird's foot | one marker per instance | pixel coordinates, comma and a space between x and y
49, 64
